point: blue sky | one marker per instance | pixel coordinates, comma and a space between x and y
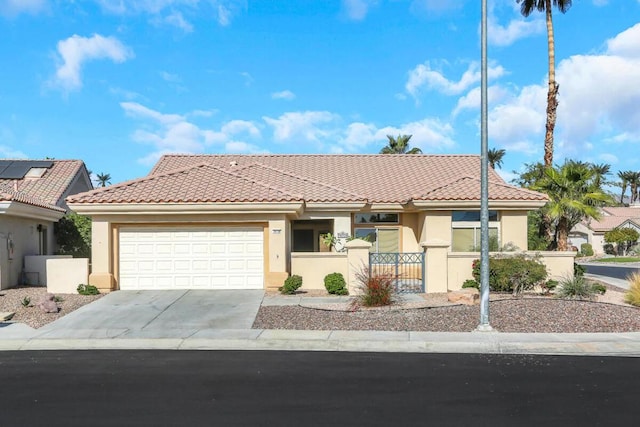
117, 83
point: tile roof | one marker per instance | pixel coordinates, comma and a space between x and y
311, 178
616, 216
47, 191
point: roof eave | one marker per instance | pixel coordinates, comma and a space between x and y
185, 208
475, 204
335, 206
24, 210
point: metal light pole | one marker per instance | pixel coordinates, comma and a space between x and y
484, 181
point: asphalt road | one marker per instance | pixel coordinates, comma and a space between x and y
252, 388
608, 270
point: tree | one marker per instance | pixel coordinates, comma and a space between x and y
103, 179
624, 181
624, 238
399, 145
526, 7
494, 156
601, 171
634, 186
73, 235
573, 196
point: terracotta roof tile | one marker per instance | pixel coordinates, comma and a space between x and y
46, 191
202, 183
312, 178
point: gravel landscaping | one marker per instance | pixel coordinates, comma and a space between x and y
11, 301
507, 314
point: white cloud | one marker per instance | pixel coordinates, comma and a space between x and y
12, 8
174, 133
516, 29
11, 153
285, 94
435, 7
248, 79
242, 147
612, 159
76, 50
471, 101
357, 9
169, 77
424, 76
304, 126
514, 122
626, 43
176, 19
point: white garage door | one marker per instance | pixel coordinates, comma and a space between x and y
191, 258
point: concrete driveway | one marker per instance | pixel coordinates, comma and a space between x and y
159, 314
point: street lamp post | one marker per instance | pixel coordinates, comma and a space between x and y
484, 181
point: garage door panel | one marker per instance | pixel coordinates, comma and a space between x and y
213, 258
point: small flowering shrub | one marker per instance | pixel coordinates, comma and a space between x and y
376, 289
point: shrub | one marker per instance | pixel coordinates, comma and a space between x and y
514, 274
25, 301
335, 284
632, 296
470, 283
586, 249
87, 290
599, 288
73, 235
578, 270
549, 286
376, 290
291, 285
576, 287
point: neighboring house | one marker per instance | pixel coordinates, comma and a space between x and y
592, 231
32, 199
249, 221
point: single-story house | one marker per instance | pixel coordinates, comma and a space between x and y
32, 199
250, 221
592, 231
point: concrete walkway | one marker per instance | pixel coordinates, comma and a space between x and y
139, 320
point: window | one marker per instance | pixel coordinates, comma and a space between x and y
308, 235
373, 218
465, 232
381, 239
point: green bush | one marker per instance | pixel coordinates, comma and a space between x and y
291, 285
549, 286
576, 287
25, 301
599, 288
578, 270
470, 283
335, 284
73, 235
586, 249
87, 290
513, 274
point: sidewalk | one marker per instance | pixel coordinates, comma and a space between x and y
168, 336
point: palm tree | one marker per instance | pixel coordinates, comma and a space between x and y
601, 170
399, 145
103, 179
526, 7
495, 157
634, 186
624, 181
573, 196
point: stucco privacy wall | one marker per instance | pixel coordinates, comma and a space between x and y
35, 268
459, 265
25, 237
513, 228
314, 266
65, 274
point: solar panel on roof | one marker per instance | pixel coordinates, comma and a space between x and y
4, 164
17, 169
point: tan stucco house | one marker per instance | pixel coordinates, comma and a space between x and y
32, 199
592, 231
250, 221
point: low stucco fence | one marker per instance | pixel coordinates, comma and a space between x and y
559, 265
314, 266
59, 273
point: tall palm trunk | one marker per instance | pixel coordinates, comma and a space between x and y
562, 230
552, 94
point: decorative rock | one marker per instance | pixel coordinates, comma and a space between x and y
48, 304
466, 296
5, 316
